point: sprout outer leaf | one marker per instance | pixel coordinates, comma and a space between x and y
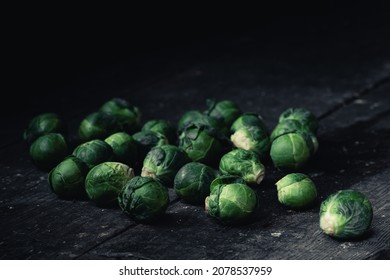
346, 214
144, 199
192, 182
243, 163
296, 190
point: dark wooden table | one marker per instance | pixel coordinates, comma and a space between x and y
343, 77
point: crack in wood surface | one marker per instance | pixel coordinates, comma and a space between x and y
357, 95
103, 241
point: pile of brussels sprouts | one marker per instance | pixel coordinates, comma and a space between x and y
214, 158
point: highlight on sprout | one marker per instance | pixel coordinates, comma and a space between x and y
231, 203
291, 151
68, 177
296, 190
105, 181
93, 152
249, 132
293, 139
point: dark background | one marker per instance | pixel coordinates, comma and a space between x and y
65, 45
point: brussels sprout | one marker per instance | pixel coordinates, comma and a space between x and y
163, 127
43, 124
93, 152
302, 115
224, 111
296, 190
105, 181
243, 163
225, 180
129, 117
288, 126
231, 203
98, 125
146, 140
187, 119
192, 182
200, 143
143, 199
346, 214
250, 133
163, 162
291, 151
124, 147
48, 150
197, 118
67, 178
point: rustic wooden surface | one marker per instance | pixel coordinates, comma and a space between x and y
343, 77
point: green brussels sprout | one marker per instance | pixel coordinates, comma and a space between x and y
192, 182
124, 147
250, 133
346, 214
98, 125
224, 111
128, 116
105, 181
231, 203
68, 177
48, 150
93, 152
187, 119
302, 115
288, 126
197, 118
291, 151
296, 190
146, 140
243, 163
163, 162
43, 124
200, 143
163, 127
144, 199
225, 180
